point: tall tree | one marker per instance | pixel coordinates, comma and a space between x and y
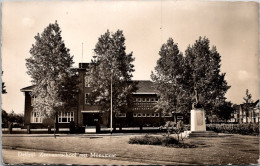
55, 82
4, 118
112, 66
247, 104
225, 110
203, 76
248, 97
168, 78
13, 117
179, 79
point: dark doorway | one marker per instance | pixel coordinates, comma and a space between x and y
91, 119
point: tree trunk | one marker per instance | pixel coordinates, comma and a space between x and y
56, 126
56, 123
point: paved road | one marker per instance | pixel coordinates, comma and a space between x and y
43, 157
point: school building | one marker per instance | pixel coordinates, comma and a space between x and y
142, 113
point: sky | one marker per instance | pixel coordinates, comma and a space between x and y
230, 26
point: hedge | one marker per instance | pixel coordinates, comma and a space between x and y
153, 140
245, 128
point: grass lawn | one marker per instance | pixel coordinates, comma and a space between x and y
225, 149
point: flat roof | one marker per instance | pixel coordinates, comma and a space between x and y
27, 89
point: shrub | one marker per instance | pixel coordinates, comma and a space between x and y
169, 141
153, 140
245, 128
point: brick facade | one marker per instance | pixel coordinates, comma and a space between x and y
142, 114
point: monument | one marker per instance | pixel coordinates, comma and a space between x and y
197, 115
198, 122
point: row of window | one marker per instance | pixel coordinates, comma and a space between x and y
146, 99
143, 108
66, 117
36, 117
63, 117
143, 115
146, 115
144, 104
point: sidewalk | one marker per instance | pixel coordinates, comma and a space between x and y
103, 130
74, 135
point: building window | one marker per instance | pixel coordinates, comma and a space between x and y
87, 80
121, 115
152, 99
134, 115
157, 115
147, 115
156, 99
36, 117
65, 117
32, 100
148, 100
143, 99
87, 98
139, 115
144, 115
152, 115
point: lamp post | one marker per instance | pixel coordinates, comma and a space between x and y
111, 104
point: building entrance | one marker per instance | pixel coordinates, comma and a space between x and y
91, 119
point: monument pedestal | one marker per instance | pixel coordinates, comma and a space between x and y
198, 120
198, 124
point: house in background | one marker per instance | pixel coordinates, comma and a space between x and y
241, 115
142, 113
